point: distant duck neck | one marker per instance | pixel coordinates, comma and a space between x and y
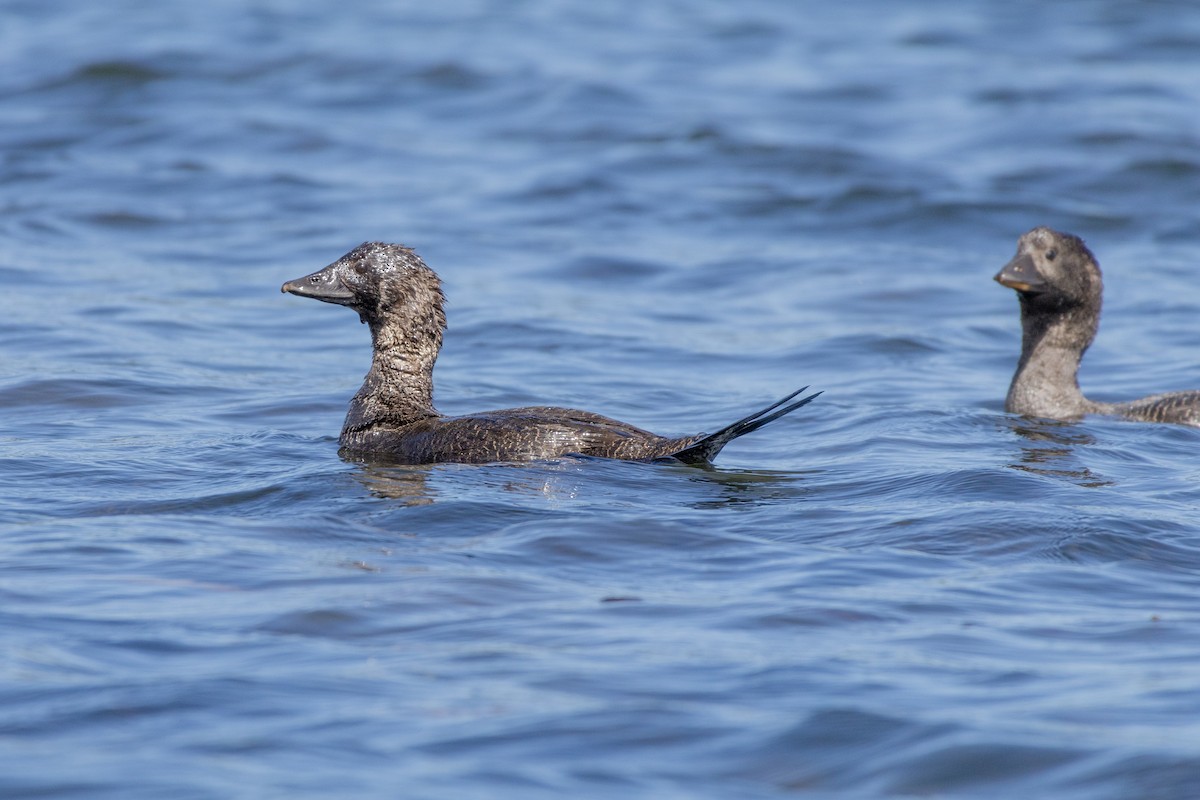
398, 390
1046, 382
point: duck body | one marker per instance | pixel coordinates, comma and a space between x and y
1060, 289
513, 434
392, 416
1177, 407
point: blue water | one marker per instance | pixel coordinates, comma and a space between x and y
671, 213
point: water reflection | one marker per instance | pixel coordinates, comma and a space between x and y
407, 484
424, 484
1051, 450
748, 487
579, 478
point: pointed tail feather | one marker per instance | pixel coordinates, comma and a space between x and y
706, 449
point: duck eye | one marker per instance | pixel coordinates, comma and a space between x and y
1051, 253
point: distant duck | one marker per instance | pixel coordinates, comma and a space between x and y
1058, 283
392, 417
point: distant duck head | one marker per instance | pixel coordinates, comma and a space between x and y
1052, 271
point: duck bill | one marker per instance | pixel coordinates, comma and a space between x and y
1021, 274
325, 285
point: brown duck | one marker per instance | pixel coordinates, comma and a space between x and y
393, 417
1058, 283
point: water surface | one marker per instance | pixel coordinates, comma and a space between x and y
671, 213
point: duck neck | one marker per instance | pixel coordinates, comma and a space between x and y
1046, 382
398, 389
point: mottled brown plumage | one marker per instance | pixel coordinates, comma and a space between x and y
1060, 289
392, 416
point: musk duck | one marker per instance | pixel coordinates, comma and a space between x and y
392, 417
1059, 287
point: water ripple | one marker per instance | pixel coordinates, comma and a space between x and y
671, 213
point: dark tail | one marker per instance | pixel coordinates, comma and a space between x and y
706, 449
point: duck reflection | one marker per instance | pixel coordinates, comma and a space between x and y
1051, 450
408, 484
594, 480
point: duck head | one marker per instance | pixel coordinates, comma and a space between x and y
387, 284
1052, 270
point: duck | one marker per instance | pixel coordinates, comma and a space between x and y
1060, 290
392, 417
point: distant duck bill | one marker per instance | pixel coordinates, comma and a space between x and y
1021, 274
